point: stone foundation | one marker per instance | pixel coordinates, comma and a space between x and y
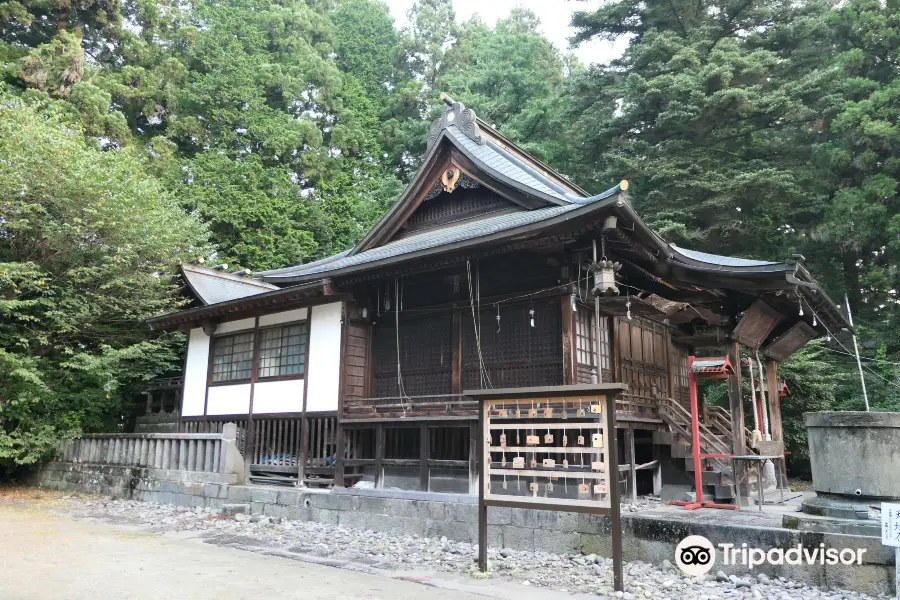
650, 538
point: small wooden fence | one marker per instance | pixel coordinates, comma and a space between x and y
277, 449
203, 452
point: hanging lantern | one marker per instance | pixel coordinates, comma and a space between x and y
605, 278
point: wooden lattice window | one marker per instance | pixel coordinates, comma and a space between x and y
282, 351
232, 357
424, 355
586, 345
515, 353
683, 378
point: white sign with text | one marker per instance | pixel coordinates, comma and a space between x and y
890, 524
890, 535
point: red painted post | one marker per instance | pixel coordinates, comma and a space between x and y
695, 433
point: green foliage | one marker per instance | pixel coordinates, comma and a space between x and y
87, 249
814, 383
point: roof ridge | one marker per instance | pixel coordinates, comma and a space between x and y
467, 121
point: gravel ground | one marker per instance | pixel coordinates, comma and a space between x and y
570, 572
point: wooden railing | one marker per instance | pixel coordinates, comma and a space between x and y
720, 418
277, 443
445, 406
203, 452
637, 407
448, 406
679, 420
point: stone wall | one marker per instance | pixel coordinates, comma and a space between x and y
645, 537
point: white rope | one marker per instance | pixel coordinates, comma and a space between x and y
400, 387
482, 371
752, 397
763, 397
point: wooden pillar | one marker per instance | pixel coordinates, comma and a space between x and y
568, 340
616, 366
632, 466
736, 403
379, 455
456, 352
671, 362
304, 449
424, 482
473, 457
476, 432
341, 452
774, 401
775, 422
249, 453
304, 420
657, 472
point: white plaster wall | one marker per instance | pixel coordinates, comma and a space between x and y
195, 368
228, 399
232, 326
278, 396
324, 373
287, 316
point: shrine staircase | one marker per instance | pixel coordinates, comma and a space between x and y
715, 438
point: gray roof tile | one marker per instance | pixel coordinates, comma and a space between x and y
491, 158
721, 261
424, 241
211, 286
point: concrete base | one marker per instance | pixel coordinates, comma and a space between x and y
854, 454
804, 522
649, 537
838, 507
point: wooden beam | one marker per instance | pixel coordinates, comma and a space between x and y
474, 430
456, 352
304, 429
757, 323
736, 403
632, 470
615, 349
670, 362
774, 401
342, 387
424, 482
568, 340
790, 341
379, 455
254, 375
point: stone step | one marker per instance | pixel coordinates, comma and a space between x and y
712, 477
663, 438
680, 450
233, 509
723, 491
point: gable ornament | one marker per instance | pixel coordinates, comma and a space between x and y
449, 178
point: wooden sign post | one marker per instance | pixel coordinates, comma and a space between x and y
550, 448
890, 536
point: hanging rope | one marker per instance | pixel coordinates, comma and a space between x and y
400, 387
482, 371
753, 401
763, 397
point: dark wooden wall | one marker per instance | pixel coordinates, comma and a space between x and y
356, 360
515, 353
446, 209
643, 355
425, 354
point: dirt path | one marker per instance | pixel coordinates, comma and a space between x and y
45, 556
